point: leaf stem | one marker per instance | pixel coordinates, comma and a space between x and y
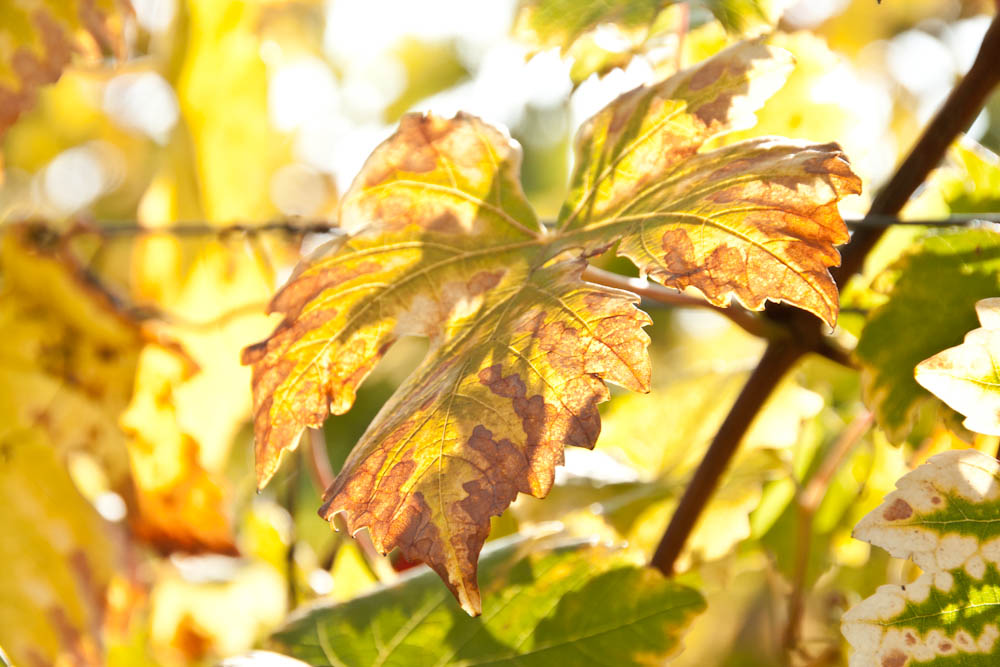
318, 460
778, 358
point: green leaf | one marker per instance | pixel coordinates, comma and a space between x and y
973, 184
930, 307
757, 220
944, 517
577, 604
967, 377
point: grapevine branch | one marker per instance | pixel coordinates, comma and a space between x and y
954, 117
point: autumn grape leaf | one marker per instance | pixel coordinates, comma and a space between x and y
77, 368
756, 219
561, 605
600, 35
933, 299
68, 359
943, 516
967, 377
439, 241
57, 559
519, 351
38, 39
180, 505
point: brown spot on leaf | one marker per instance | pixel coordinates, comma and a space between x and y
900, 509
894, 658
707, 74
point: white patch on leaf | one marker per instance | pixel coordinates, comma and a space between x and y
967, 377
913, 522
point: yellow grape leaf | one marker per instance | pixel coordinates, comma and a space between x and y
181, 432
77, 369
967, 376
57, 558
440, 242
234, 160
452, 251
181, 507
756, 219
68, 359
195, 621
38, 39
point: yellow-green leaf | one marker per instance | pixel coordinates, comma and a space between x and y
943, 516
445, 246
757, 219
967, 377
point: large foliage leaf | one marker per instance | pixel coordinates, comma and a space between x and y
932, 299
575, 604
37, 41
519, 349
440, 241
757, 219
943, 517
81, 373
69, 353
967, 377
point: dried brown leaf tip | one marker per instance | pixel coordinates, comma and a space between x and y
757, 219
38, 38
519, 354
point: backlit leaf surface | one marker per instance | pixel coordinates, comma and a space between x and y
559, 23
518, 350
943, 516
439, 241
573, 605
79, 372
756, 219
967, 377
